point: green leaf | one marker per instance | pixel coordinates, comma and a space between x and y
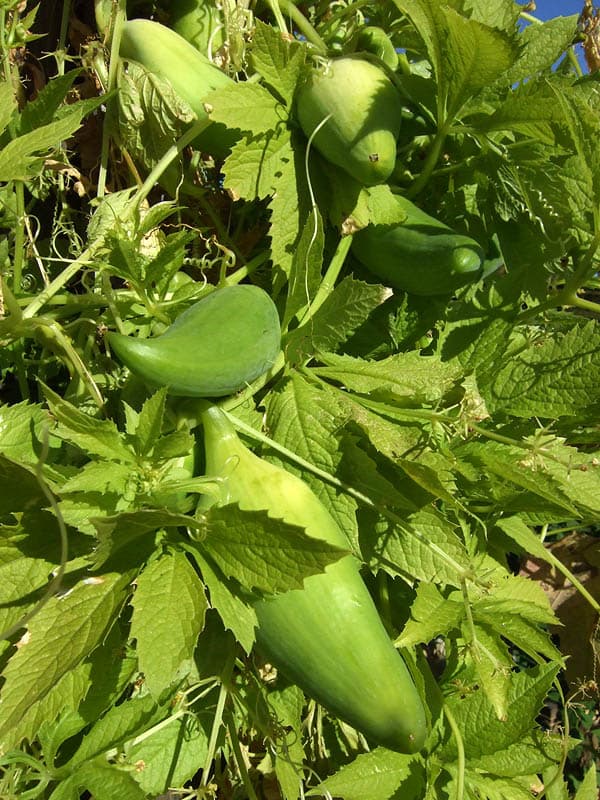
121, 530
107, 781
256, 163
261, 552
21, 488
246, 106
526, 386
150, 421
169, 756
22, 427
409, 378
307, 262
431, 614
121, 723
533, 753
305, 419
8, 104
588, 789
424, 547
23, 157
95, 436
483, 733
377, 775
277, 59
57, 639
541, 46
343, 312
21, 580
48, 102
466, 55
168, 614
492, 664
236, 615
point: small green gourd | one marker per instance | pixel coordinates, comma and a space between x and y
420, 255
215, 348
360, 135
327, 637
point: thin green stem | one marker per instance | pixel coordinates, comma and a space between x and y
564, 570
239, 759
580, 302
303, 25
431, 160
460, 753
218, 719
119, 19
329, 279
274, 5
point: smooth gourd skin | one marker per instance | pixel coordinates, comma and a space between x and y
373, 39
215, 348
198, 21
360, 137
167, 54
420, 255
327, 637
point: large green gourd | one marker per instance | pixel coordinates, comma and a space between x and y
327, 637
167, 54
420, 255
215, 348
360, 137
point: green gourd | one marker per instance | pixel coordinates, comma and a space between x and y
326, 637
165, 53
420, 255
215, 348
198, 21
373, 39
365, 108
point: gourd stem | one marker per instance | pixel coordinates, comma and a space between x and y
303, 25
460, 753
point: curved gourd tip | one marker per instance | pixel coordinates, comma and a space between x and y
467, 259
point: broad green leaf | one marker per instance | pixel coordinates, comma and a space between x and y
21, 582
424, 547
502, 14
588, 789
98, 476
246, 106
107, 781
523, 536
121, 530
492, 663
378, 775
542, 44
277, 60
526, 386
21, 487
120, 724
95, 436
517, 596
261, 552
57, 639
494, 788
8, 104
287, 704
408, 378
256, 163
345, 309
22, 427
483, 733
306, 419
533, 753
170, 756
518, 466
237, 616
466, 55
168, 614
47, 103
307, 263
23, 157
431, 614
